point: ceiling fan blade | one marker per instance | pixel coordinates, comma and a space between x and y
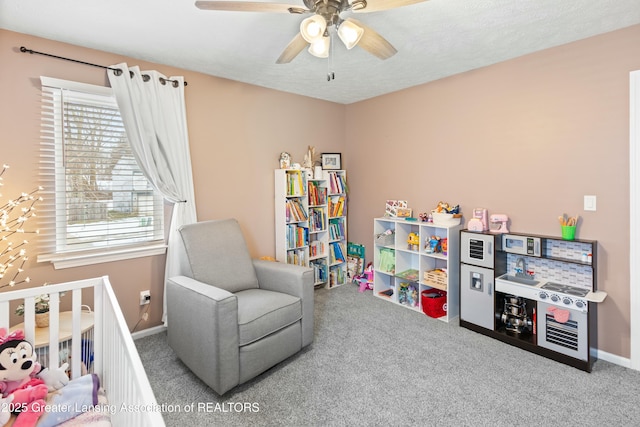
292, 50
377, 5
373, 42
249, 6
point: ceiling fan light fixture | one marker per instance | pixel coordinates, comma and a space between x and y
350, 33
320, 48
312, 28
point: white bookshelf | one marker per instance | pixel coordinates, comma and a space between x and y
323, 245
394, 256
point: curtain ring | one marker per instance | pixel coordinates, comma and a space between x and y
131, 74
163, 81
117, 72
175, 83
145, 77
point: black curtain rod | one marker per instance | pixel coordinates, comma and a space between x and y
118, 71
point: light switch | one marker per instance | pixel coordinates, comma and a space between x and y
589, 203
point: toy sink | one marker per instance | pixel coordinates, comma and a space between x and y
519, 280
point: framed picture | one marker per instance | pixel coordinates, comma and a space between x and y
403, 212
331, 161
392, 207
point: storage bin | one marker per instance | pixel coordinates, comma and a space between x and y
434, 302
436, 279
386, 239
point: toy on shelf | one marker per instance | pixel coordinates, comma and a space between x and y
446, 215
285, 160
408, 294
501, 219
443, 210
443, 245
433, 245
480, 220
444, 207
425, 217
413, 242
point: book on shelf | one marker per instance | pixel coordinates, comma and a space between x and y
295, 211
317, 219
319, 271
297, 236
336, 229
387, 261
337, 183
336, 277
298, 257
410, 274
337, 252
336, 207
317, 194
295, 183
316, 248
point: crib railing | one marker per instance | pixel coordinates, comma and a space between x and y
115, 357
126, 381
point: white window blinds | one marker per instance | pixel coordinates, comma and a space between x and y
95, 196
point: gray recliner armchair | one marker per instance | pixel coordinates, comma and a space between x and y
232, 317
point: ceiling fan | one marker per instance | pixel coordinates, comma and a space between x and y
325, 14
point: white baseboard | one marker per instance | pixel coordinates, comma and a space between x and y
612, 358
149, 331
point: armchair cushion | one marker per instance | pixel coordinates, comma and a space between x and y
218, 255
261, 313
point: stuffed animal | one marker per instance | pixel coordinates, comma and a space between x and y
285, 160
23, 382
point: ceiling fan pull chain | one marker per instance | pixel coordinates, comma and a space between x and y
330, 74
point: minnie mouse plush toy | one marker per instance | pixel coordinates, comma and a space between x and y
23, 383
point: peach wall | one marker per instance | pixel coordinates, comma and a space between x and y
236, 133
527, 137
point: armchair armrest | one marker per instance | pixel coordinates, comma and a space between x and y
202, 330
286, 278
293, 280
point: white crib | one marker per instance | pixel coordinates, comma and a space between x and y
115, 357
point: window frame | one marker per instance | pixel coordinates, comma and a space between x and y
80, 257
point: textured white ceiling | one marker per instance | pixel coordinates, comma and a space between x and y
434, 39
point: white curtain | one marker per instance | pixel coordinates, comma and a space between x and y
154, 116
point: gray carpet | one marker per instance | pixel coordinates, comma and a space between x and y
374, 363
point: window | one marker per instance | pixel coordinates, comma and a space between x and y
98, 205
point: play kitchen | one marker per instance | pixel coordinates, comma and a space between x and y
535, 292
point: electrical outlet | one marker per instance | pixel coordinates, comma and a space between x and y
145, 297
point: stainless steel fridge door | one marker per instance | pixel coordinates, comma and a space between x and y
477, 295
477, 249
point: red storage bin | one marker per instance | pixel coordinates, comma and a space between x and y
434, 302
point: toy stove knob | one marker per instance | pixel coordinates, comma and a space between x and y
580, 304
543, 295
567, 301
555, 298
